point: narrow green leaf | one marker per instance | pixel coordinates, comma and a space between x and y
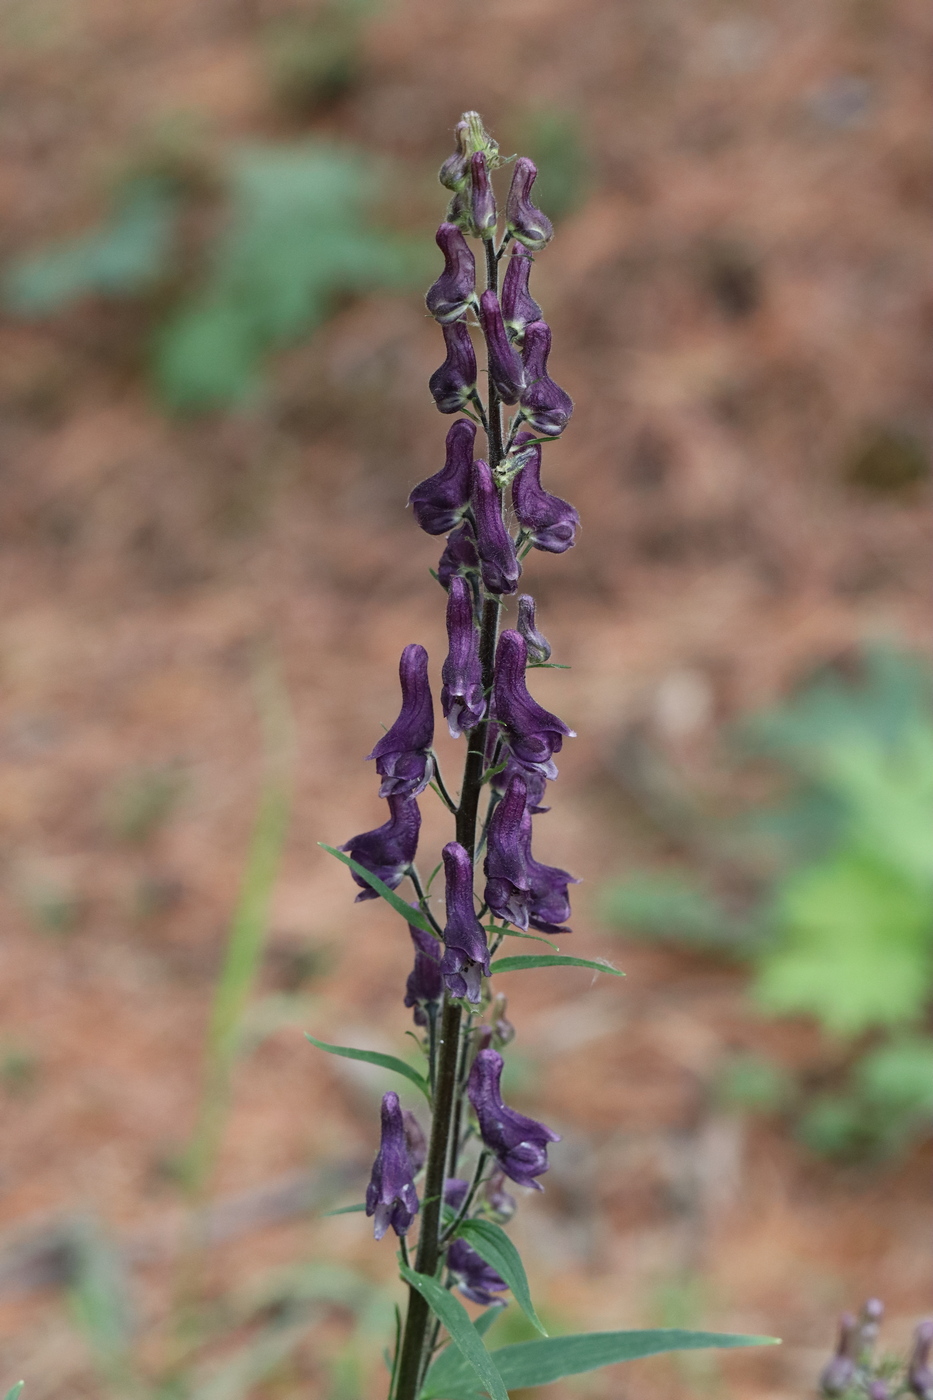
409, 913
344, 1210
493, 1244
463, 1334
517, 933
539, 1362
14, 1391
546, 960
374, 1057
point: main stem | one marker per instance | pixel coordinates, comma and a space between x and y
413, 1358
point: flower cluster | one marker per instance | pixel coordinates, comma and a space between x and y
854, 1373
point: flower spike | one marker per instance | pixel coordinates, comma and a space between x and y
388, 850
453, 292
519, 1144
440, 501
546, 406
391, 1196
462, 698
402, 755
525, 223
454, 383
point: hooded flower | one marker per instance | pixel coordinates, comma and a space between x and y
506, 373
425, 983
508, 886
498, 560
539, 648
440, 501
454, 383
519, 307
919, 1372
459, 556
548, 902
532, 733
840, 1371
391, 1196
462, 698
519, 1144
453, 292
402, 755
550, 522
524, 222
476, 1279
389, 850
546, 406
467, 957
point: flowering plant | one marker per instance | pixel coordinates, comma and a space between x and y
453, 1180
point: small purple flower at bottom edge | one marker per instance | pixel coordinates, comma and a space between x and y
519, 1144
388, 850
391, 1196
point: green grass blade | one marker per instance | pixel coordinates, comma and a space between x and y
522, 964
409, 913
375, 1057
13, 1392
494, 1245
463, 1334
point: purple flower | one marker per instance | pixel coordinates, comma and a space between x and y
548, 903
519, 307
402, 757
533, 734
440, 501
483, 212
539, 648
453, 384
389, 850
507, 881
546, 406
476, 1279
459, 556
462, 698
550, 522
535, 782
506, 373
498, 560
839, 1372
524, 222
919, 1373
425, 983
391, 1196
415, 1141
467, 957
453, 291
519, 1144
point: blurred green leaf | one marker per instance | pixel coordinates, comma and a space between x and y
463, 1334
14, 1391
375, 1057
522, 964
670, 908
125, 255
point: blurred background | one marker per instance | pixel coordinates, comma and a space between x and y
219, 226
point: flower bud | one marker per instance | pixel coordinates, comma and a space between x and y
495, 546
440, 501
546, 406
454, 383
539, 648
524, 222
519, 307
869, 1326
459, 557
919, 1372
454, 290
840, 1371
483, 212
506, 373
550, 521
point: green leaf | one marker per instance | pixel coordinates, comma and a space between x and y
373, 1057
517, 933
494, 1245
548, 960
539, 1362
463, 1334
344, 1210
409, 913
13, 1392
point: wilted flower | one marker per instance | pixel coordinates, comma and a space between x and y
448, 298
539, 648
402, 755
519, 307
550, 522
454, 383
425, 983
508, 885
533, 734
495, 546
546, 406
467, 957
462, 698
919, 1372
440, 501
506, 373
523, 221
391, 1196
388, 850
840, 1371
519, 1144
459, 556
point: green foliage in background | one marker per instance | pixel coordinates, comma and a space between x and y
296, 238
844, 932
553, 138
312, 60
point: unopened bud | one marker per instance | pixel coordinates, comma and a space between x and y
869, 1325
919, 1372
483, 212
840, 1371
539, 648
